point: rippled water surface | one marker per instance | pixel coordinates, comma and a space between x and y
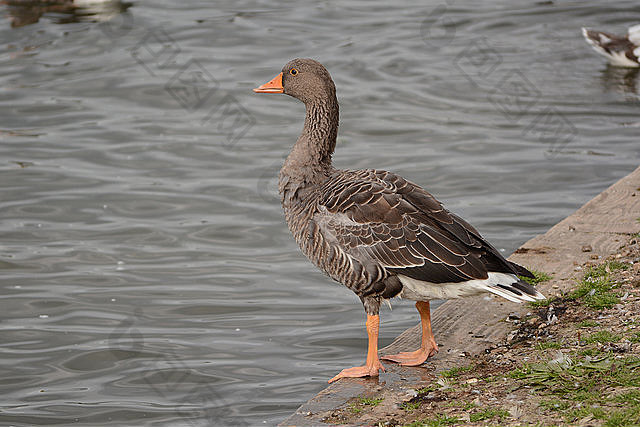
148, 277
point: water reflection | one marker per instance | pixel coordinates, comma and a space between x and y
25, 12
622, 80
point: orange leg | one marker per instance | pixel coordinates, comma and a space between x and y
428, 347
372, 365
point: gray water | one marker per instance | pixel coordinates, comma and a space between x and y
148, 277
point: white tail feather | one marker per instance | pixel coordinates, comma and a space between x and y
503, 293
634, 34
419, 290
512, 296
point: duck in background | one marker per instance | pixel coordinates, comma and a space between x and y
621, 51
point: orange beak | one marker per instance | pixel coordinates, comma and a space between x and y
274, 86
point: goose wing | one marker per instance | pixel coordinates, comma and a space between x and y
395, 223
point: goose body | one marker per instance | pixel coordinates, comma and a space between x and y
375, 232
621, 51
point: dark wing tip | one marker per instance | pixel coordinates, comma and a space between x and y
520, 270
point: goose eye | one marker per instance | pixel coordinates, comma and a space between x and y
293, 72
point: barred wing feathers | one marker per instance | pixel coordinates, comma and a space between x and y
395, 223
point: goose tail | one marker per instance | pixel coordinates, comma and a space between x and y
517, 291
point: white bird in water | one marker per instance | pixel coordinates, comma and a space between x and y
621, 51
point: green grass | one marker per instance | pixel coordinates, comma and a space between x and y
370, 402
355, 409
440, 421
592, 352
468, 406
358, 406
623, 419
602, 337
613, 418
586, 411
488, 414
555, 404
543, 302
548, 344
454, 372
635, 337
575, 377
520, 373
595, 289
632, 397
410, 406
428, 389
588, 324
606, 268
539, 277
581, 386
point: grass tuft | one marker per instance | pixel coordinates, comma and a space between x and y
596, 287
488, 414
581, 386
623, 419
543, 302
632, 397
548, 344
357, 407
428, 389
410, 406
555, 405
602, 337
539, 277
370, 402
441, 420
454, 372
588, 324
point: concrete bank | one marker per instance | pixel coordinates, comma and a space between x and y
467, 327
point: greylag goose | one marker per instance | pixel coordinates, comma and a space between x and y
375, 232
621, 51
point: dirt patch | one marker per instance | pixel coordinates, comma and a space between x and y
573, 359
540, 250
